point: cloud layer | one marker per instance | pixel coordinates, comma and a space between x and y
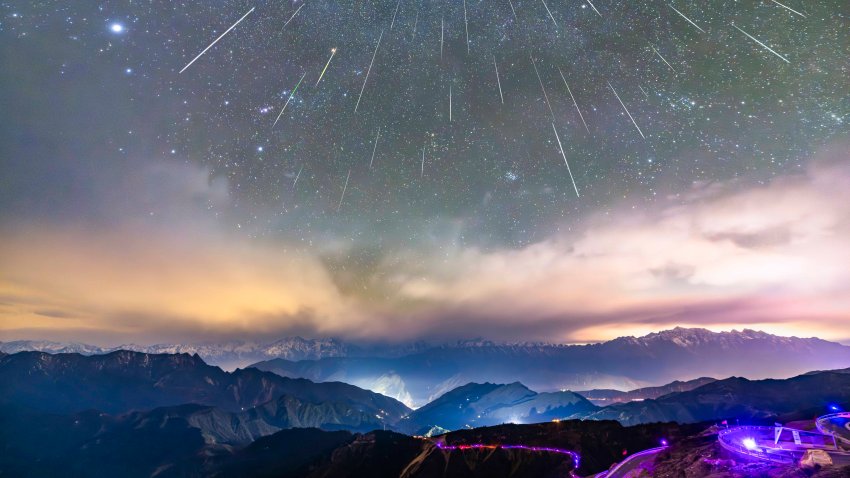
160, 266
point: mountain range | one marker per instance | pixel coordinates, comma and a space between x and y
604, 397
484, 404
803, 396
140, 414
228, 355
238, 407
246, 400
93, 444
418, 373
625, 363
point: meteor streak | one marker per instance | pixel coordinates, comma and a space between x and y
662, 59
442, 34
422, 174
762, 44
564, 155
594, 8
626, 109
686, 18
293, 15
333, 52
450, 103
394, 14
466, 26
511, 3
788, 8
542, 88
643, 91
550, 13
574, 99
216, 40
343, 191
498, 82
415, 23
368, 71
375, 148
297, 176
289, 99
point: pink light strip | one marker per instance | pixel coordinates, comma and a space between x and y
575, 456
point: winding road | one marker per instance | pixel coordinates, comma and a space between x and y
632, 462
835, 424
758, 442
576, 458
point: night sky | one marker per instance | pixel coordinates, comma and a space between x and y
702, 176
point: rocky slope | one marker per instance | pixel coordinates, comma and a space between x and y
163, 444
604, 397
738, 398
476, 405
122, 381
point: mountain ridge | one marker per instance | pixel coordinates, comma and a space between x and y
418, 373
296, 348
626, 363
125, 381
485, 404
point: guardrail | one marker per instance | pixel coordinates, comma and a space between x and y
744, 440
629, 458
574, 455
728, 439
827, 418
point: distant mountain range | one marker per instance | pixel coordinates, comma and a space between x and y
625, 363
228, 355
418, 373
476, 405
605, 397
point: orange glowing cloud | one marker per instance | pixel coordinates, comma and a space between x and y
772, 256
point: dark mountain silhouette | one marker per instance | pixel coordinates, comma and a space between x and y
477, 404
123, 381
391, 455
803, 396
609, 397
135, 414
164, 444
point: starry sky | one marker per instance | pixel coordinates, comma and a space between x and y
418, 169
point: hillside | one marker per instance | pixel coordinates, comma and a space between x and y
122, 381
477, 405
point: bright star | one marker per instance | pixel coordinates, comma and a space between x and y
117, 28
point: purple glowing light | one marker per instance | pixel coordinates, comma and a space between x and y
664, 442
749, 443
575, 456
